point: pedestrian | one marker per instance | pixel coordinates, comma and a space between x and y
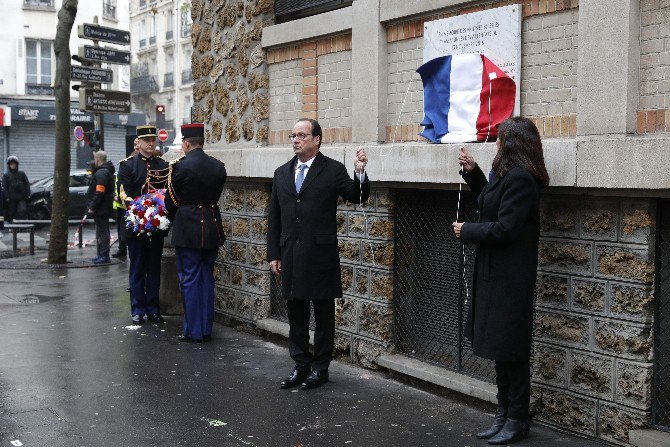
99, 203
139, 174
195, 184
500, 318
119, 207
2, 211
16, 190
302, 246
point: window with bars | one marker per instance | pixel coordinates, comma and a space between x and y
38, 61
109, 9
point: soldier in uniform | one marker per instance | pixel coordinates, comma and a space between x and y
139, 174
119, 207
195, 184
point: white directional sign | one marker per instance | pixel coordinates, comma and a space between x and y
104, 101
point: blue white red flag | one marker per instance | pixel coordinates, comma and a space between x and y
465, 98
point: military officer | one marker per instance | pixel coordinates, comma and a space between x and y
195, 184
139, 174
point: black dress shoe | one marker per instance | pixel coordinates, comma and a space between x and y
498, 422
185, 339
137, 319
206, 338
315, 380
120, 254
156, 318
512, 431
294, 379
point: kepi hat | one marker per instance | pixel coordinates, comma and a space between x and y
146, 131
193, 130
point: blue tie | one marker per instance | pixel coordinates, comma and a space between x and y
300, 178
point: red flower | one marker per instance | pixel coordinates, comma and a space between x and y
155, 222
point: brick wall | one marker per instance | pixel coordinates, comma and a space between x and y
593, 347
548, 67
654, 114
334, 87
285, 94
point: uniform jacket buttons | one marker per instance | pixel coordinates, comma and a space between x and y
202, 221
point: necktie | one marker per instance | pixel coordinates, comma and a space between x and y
300, 178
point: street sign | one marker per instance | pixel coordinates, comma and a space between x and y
89, 74
104, 55
78, 133
96, 32
163, 135
104, 101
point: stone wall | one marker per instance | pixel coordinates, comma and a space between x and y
230, 91
593, 345
548, 70
654, 114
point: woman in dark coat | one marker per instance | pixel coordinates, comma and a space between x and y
500, 319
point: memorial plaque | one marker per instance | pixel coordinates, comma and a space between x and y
495, 33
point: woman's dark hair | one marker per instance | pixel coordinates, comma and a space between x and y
520, 145
316, 128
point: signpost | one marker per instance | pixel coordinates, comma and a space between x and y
104, 55
90, 74
163, 135
97, 32
104, 101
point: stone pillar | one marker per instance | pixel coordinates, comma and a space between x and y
368, 73
609, 61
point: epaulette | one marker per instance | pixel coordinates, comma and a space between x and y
126, 159
177, 159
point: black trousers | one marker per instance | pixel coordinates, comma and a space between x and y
121, 227
102, 236
324, 333
513, 381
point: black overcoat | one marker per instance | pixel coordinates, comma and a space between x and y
500, 318
195, 186
100, 193
302, 228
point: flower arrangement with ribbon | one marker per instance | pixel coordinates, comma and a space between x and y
147, 214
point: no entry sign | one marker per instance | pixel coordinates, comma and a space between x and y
163, 135
79, 133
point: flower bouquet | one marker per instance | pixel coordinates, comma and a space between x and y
147, 215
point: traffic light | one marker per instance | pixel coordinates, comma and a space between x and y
160, 116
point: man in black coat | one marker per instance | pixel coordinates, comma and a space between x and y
302, 246
99, 203
16, 190
195, 184
139, 174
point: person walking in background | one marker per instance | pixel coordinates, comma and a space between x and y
2, 211
119, 207
139, 174
16, 190
500, 317
99, 203
302, 246
195, 184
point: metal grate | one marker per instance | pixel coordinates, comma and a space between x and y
429, 294
286, 10
661, 388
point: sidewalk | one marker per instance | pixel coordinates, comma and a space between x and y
73, 372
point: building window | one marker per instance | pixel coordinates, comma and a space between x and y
169, 25
186, 119
152, 30
143, 4
186, 22
38, 61
109, 9
47, 4
143, 33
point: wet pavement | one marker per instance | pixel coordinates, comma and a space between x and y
73, 372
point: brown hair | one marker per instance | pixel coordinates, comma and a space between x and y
520, 145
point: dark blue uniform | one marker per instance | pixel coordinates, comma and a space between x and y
194, 187
138, 175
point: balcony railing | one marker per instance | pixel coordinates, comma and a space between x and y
143, 43
143, 84
168, 35
39, 89
109, 10
186, 76
46, 4
168, 80
152, 40
186, 29
143, 4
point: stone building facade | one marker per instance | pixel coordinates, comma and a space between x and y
353, 70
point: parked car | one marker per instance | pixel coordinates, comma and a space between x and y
39, 204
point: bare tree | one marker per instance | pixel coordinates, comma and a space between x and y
59, 211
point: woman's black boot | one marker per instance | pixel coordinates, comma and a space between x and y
498, 422
512, 431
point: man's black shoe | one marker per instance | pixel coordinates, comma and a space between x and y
137, 319
498, 423
185, 339
315, 380
511, 432
206, 338
120, 254
156, 318
294, 379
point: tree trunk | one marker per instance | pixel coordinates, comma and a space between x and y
61, 196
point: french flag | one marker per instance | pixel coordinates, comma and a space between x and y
465, 98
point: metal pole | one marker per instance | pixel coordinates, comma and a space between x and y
81, 234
